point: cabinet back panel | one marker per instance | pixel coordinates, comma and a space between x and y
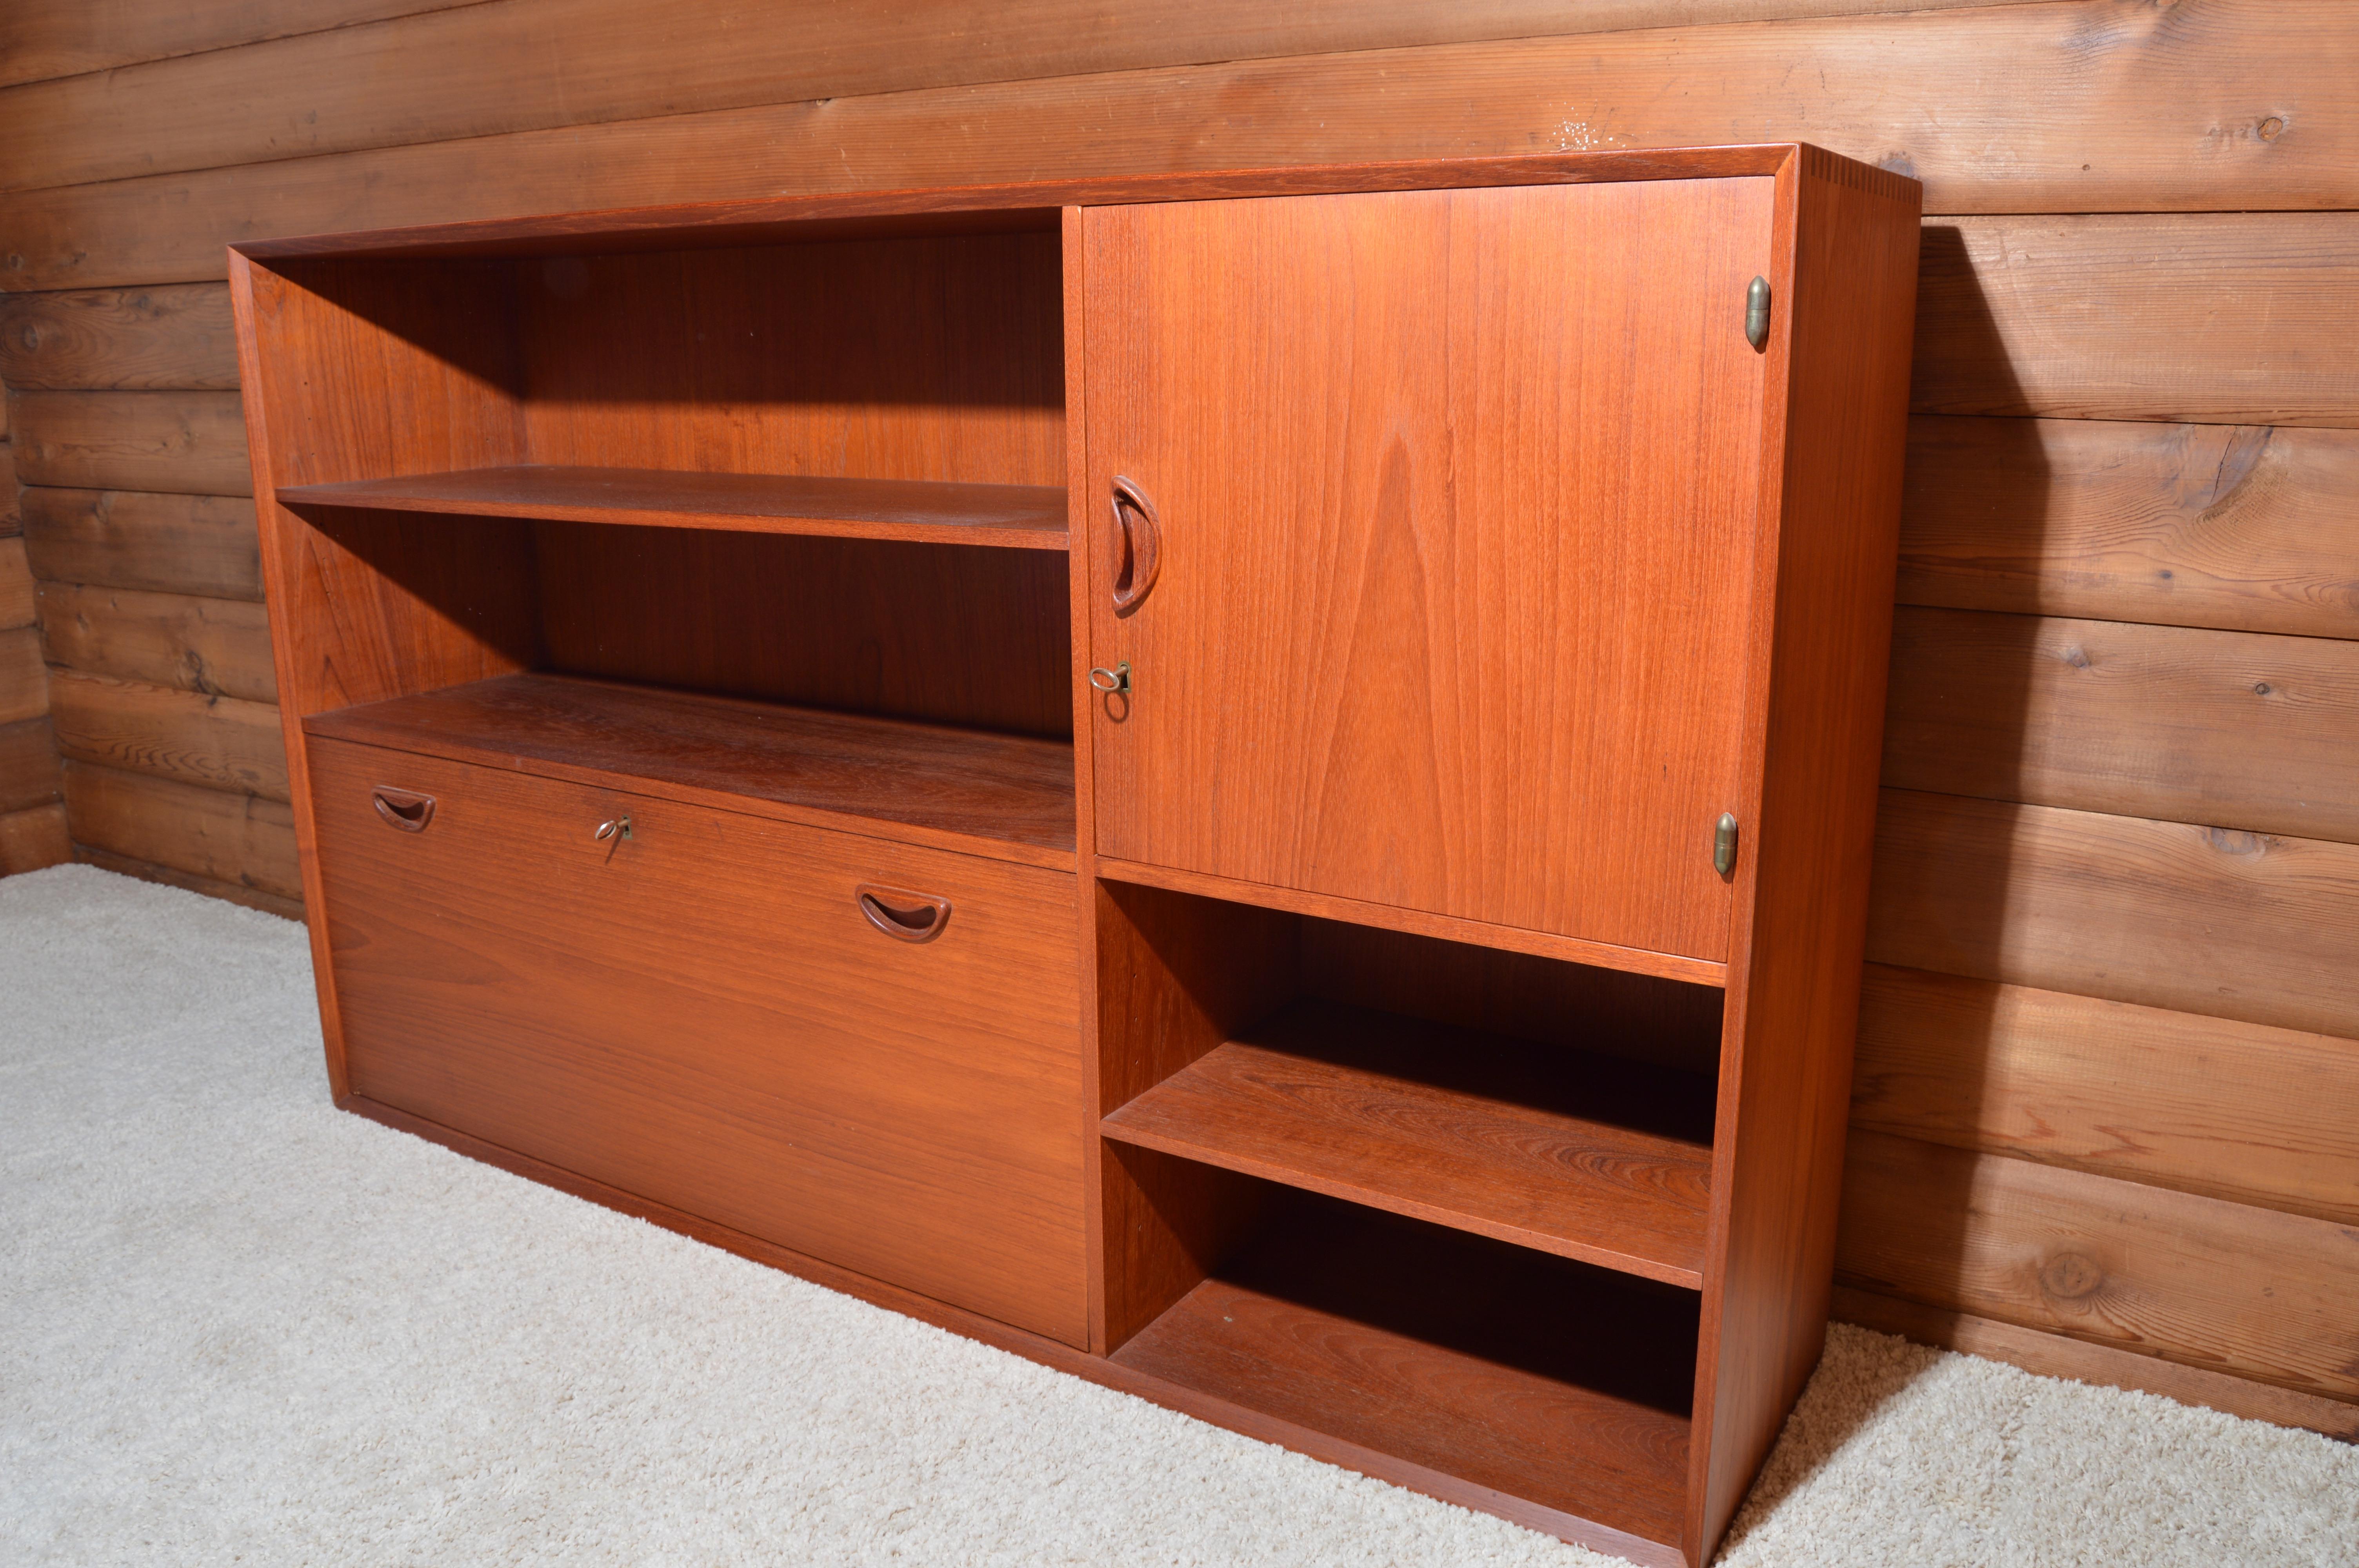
949, 633
926, 358
1637, 1017
372, 368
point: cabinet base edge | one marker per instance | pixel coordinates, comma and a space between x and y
1037, 1347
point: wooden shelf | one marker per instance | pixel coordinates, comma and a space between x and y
1582, 1155
1010, 797
1010, 516
1541, 1378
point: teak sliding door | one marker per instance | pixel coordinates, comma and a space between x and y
1436, 520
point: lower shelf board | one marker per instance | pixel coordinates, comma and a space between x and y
1538, 1377
1571, 1151
1014, 515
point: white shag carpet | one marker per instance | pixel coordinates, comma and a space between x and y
237, 1326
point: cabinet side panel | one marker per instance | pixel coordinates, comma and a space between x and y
1849, 307
1176, 975
334, 390
363, 370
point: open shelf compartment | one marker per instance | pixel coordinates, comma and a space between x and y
1574, 1152
1443, 1205
1565, 1386
1016, 516
1554, 1105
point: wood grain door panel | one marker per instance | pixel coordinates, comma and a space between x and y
1456, 491
702, 1015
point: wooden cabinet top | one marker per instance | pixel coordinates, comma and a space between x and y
1035, 204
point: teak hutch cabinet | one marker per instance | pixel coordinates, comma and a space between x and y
1256, 786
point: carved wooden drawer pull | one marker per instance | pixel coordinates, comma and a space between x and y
904, 916
403, 809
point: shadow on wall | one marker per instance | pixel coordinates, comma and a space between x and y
1928, 876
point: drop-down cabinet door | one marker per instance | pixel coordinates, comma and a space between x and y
1428, 536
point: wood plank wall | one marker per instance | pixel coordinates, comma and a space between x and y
32, 812
2107, 1115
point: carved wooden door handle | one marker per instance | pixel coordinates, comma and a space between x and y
1138, 540
904, 916
403, 809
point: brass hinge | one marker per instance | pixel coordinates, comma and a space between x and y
1756, 312
1723, 843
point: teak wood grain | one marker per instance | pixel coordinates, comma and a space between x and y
1000, 795
387, 371
1834, 433
1558, 609
1573, 1153
1455, 620
392, 375
1418, 922
1024, 517
700, 1014
960, 635
1451, 1351
989, 207
919, 357
1097, 1192
1175, 977
1465, 981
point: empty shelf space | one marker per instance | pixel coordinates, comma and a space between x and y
1572, 1153
1542, 1378
1018, 516
1004, 796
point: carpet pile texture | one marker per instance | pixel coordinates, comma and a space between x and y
237, 1326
